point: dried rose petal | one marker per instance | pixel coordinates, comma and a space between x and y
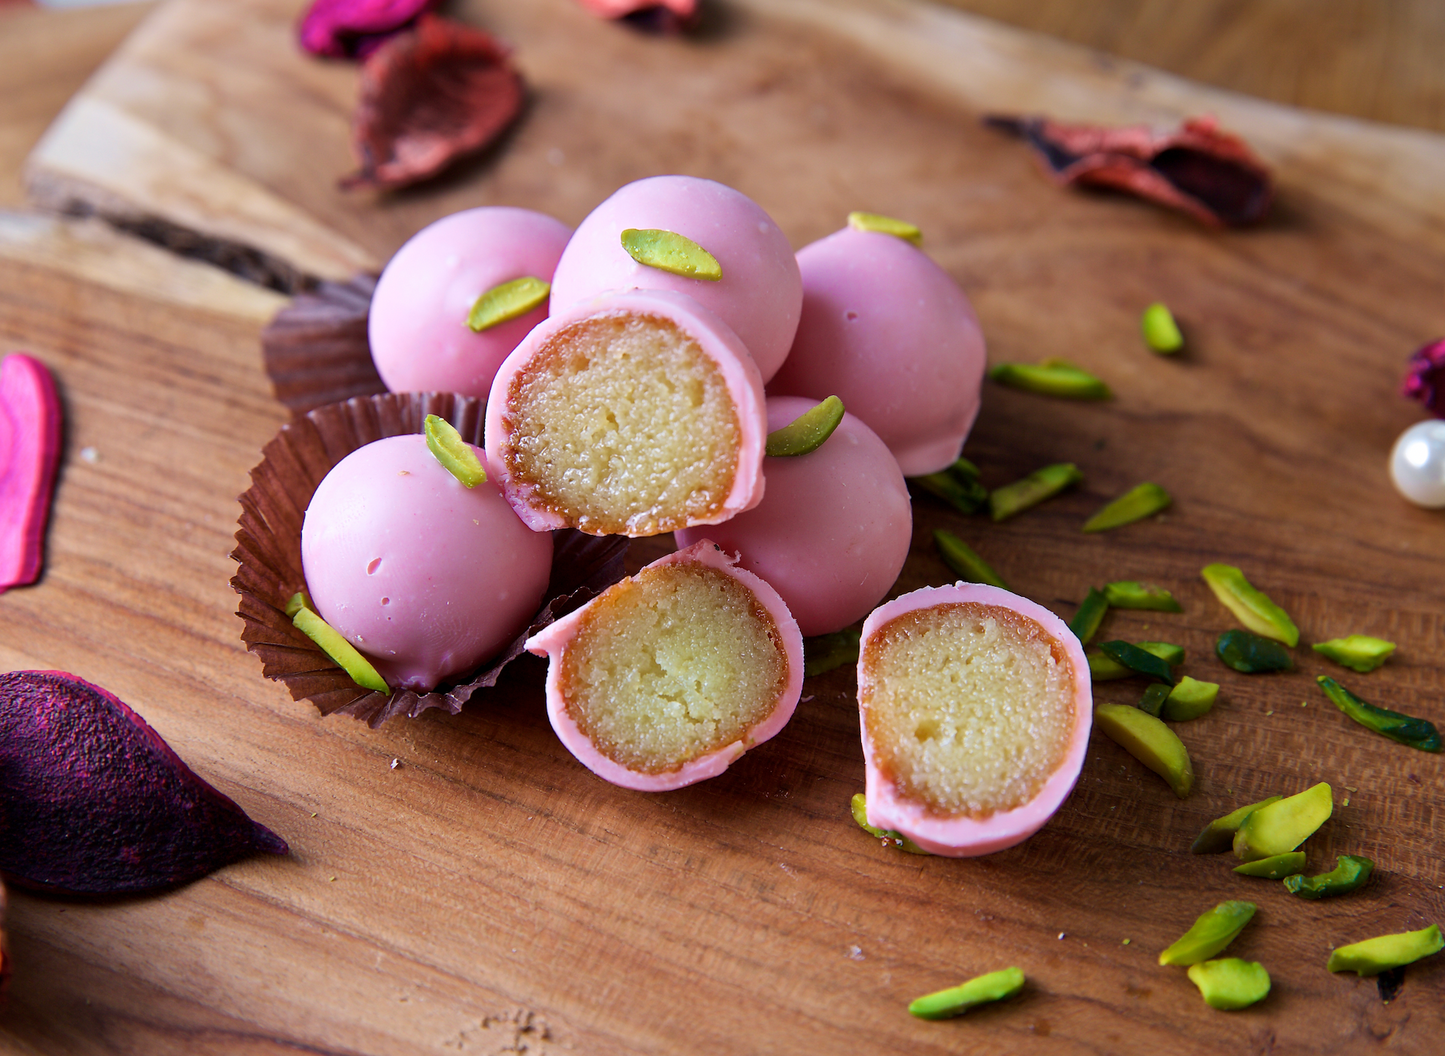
660, 16
93, 802
1212, 176
1425, 380
347, 29
429, 96
29, 456
316, 350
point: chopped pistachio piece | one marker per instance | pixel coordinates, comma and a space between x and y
510, 300
1189, 699
1212, 932
826, 651
1053, 377
1249, 605
1131, 594
1416, 733
807, 432
1230, 983
296, 603
339, 649
668, 251
1251, 654
1104, 668
1275, 867
1153, 700
1384, 952
960, 485
454, 453
1150, 741
1283, 826
1349, 874
1218, 835
1013, 499
964, 562
995, 986
1143, 500
1358, 652
1139, 660
1161, 332
886, 225
1091, 613
858, 806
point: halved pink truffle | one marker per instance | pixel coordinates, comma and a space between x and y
420, 340
975, 706
834, 528
890, 333
668, 677
759, 295
631, 414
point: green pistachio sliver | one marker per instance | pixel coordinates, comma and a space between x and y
668, 251
330, 641
995, 986
965, 563
1283, 826
1275, 867
1138, 660
1218, 835
1143, 500
1251, 654
826, 651
1350, 873
807, 432
1189, 699
1416, 733
885, 225
1091, 613
1249, 605
1358, 652
510, 300
1230, 983
1384, 952
1150, 741
1212, 932
1013, 499
858, 806
1153, 700
454, 453
1051, 378
1131, 594
960, 485
296, 603
1105, 668
1161, 332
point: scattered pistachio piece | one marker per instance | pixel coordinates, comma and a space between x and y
1349, 874
510, 300
296, 603
1416, 733
1153, 700
1053, 377
1209, 934
885, 225
1131, 594
1013, 499
995, 986
339, 649
960, 485
454, 453
1358, 652
1105, 668
807, 432
859, 808
1373, 956
962, 559
1189, 700
1275, 867
668, 251
1143, 500
1283, 826
1249, 605
1218, 835
826, 651
1091, 613
1161, 332
1251, 654
1150, 741
1230, 983
1139, 660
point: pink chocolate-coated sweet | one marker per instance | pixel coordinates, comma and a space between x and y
426, 577
833, 531
963, 837
552, 641
717, 341
30, 442
890, 333
759, 294
418, 329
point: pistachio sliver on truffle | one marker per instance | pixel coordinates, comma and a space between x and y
668, 251
330, 642
454, 453
886, 225
508, 301
807, 432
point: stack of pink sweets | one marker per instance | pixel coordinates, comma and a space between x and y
638, 372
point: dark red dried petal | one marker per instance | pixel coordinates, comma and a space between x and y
429, 96
93, 802
346, 29
1199, 170
30, 431
1425, 379
316, 350
657, 16
4, 951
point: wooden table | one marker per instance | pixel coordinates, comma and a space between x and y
487, 894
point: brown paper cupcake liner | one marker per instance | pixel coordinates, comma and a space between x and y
315, 350
268, 551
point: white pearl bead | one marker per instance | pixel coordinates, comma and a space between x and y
1417, 464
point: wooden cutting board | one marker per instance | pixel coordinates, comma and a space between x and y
487, 894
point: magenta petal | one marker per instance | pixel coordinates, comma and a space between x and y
355, 28
1425, 379
30, 437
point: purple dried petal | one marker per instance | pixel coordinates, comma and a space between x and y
93, 802
353, 29
1425, 379
4, 951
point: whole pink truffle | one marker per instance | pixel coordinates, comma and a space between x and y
426, 577
759, 294
889, 332
834, 526
420, 340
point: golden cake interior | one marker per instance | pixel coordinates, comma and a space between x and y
969, 707
672, 664
624, 426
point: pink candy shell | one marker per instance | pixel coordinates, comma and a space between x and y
417, 327
30, 440
718, 342
967, 837
760, 294
552, 640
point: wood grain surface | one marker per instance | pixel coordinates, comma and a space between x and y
487, 894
